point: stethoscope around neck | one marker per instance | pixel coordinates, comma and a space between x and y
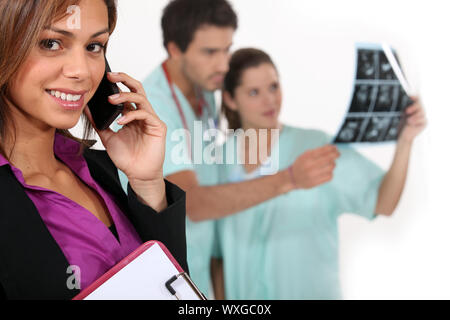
202, 105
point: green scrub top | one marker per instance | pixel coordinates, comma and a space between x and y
199, 235
287, 247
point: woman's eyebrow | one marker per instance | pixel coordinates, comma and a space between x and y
71, 35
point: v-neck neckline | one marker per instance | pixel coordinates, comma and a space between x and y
254, 172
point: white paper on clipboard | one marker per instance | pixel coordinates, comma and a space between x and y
144, 278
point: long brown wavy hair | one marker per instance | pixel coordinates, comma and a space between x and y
21, 23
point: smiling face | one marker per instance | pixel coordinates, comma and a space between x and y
258, 98
63, 71
205, 61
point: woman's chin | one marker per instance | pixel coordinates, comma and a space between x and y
66, 125
269, 125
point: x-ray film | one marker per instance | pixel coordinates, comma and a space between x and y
380, 96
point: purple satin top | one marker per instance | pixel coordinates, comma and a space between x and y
85, 241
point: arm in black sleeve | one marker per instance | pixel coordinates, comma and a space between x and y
167, 226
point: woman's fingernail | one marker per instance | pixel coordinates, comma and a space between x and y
121, 119
114, 73
115, 96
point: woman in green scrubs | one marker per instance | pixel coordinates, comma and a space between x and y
287, 247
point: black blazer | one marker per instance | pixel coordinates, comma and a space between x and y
32, 265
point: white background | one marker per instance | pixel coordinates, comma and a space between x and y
406, 256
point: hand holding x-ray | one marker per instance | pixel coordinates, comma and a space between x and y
381, 96
415, 121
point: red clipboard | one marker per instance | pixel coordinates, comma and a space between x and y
179, 273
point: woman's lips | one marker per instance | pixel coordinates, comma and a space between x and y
68, 105
269, 113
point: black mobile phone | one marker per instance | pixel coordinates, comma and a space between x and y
104, 113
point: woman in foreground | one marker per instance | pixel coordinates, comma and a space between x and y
62, 207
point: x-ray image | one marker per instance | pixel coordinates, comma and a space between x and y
367, 65
362, 98
385, 70
403, 100
350, 130
379, 98
386, 98
394, 128
376, 127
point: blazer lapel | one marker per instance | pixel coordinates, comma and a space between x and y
32, 264
105, 173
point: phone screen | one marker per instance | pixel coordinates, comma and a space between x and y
104, 113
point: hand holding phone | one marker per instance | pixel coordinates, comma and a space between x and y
102, 111
138, 148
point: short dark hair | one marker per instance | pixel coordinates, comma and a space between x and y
182, 18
